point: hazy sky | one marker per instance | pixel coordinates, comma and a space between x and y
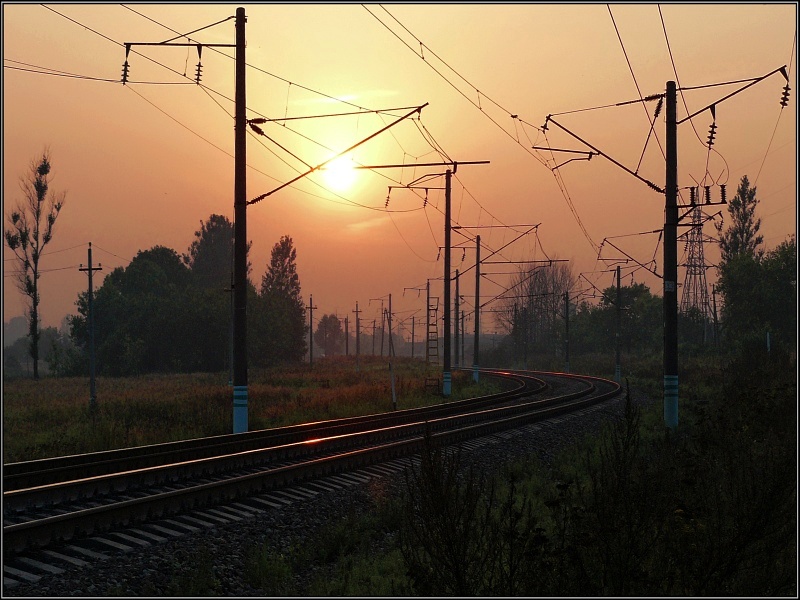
143, 164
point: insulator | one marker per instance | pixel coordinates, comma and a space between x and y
125, 72
198, 73
708, 194
711, 133
723, 193
692, 196
785, 95
658, 107
424, 204
387, 202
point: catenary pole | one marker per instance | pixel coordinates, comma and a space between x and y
446, 381
455, 324
475, 350
617, 366
671, 262
240, 235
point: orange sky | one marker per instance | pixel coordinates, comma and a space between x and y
144, 164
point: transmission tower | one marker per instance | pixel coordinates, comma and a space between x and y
695, 288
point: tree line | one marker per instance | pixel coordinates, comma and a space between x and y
171, 312
167, 312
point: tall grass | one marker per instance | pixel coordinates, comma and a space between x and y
51, 417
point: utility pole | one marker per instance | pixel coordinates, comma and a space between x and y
455, 332
240, 211
240, 235
358, 335
346, 337
391, 354
311, 308
463, 331
475, 351
566, 331
92, 389
446, 381
413, 320
617, 368
671, 262
373, 335
427, 319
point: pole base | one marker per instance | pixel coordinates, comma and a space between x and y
671, 401
239, 409
446, 384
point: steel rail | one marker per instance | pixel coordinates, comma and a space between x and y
39, 472
448, 430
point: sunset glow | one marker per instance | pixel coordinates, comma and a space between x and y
339, 174
142, 164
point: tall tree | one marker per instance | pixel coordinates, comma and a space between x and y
329, 334
31, 228
279, 324
210, 256
741, 236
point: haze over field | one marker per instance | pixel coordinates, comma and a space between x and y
143, 164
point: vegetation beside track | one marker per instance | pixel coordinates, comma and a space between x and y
51, 417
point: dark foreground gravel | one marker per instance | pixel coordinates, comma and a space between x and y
154, 571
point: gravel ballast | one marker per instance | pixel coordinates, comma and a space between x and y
157, 569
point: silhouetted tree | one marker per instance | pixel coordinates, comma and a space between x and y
210, 256
741, 236
329, 335
31, 229
278, 319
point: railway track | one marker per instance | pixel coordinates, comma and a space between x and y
60, 502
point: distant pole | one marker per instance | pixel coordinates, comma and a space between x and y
383, 326
428, 320
311, 308
566, 332
92, 389
346, 337
374, 321
358, 335
475, 350
455, 324
391, 354
240, 235
446, 382
413, 319
463, 331
617, 367
671, 262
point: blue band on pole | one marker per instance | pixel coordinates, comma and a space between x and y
671, 401
239, 408
446, 384
475, 374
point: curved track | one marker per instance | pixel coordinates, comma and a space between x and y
67, 498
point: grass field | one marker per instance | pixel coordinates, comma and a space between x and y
51, 417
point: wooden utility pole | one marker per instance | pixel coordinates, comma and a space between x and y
92, 389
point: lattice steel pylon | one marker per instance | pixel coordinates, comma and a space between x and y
695, 288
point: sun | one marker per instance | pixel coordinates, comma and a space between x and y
339, 174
